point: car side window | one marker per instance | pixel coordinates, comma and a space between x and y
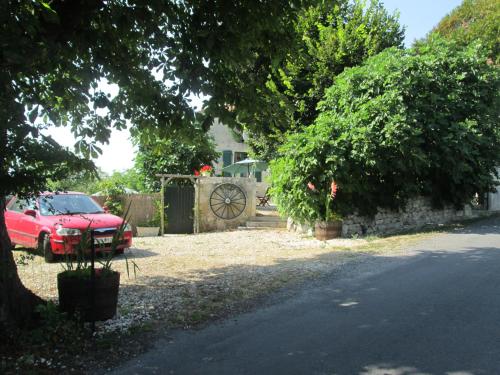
21, 205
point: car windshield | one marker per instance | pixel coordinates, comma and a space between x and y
68, 204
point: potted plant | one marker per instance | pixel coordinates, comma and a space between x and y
74, 287
330, 224
148, 229
91, 292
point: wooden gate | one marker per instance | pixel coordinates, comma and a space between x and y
179, 208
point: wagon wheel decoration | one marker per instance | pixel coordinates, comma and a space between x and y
227, 201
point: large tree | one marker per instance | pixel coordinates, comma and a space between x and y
56, 54
328, 38
474, 20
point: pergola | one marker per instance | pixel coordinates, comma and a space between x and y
165, 179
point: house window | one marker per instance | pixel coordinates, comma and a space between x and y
227, 158
239, 156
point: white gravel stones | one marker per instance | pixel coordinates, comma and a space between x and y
181, 273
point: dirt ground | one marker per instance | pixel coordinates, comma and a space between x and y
186, 279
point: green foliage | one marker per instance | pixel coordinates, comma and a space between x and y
129, 179
329, 38
180, 156
56, 56
474, 20
80, 181
99, 182
113, 190
55, 328
156, 219
404, 124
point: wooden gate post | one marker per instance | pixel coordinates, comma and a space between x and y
162, 213
196, 226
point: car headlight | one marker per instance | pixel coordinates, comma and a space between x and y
68, 231
128, 228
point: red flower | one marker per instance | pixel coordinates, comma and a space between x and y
196, 173
334, 189
206, 168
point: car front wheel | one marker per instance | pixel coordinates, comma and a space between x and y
46, 248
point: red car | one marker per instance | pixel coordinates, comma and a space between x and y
54, 223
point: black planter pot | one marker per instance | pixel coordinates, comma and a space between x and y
75, 295
326, 230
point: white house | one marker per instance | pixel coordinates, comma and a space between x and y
231, 146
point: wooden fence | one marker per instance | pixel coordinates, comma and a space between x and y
142, 207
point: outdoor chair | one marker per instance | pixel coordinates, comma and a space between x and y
264, 200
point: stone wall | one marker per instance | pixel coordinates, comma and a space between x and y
306, 229
417, 214
206, 220
494, 198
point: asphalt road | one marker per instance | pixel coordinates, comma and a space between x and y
434, 312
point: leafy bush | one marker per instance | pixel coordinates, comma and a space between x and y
406, 123
181, 156
113, 191
55, 328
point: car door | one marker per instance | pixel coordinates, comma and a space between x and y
22, 228
12, 221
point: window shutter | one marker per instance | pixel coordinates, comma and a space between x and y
227, 159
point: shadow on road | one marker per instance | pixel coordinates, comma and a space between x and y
434, 312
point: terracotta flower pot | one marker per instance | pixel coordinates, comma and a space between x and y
326, 230
74, 294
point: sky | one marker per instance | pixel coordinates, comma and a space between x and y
418, 16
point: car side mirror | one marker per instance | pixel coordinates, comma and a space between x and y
30, 213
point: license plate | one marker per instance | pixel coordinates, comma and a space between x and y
103, 240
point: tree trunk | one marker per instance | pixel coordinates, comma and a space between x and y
17, 304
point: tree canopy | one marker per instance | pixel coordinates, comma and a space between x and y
91, 183
57, 54
474, 20
422, 122
328, 38
173, 156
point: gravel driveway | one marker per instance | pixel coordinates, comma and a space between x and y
186, 279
